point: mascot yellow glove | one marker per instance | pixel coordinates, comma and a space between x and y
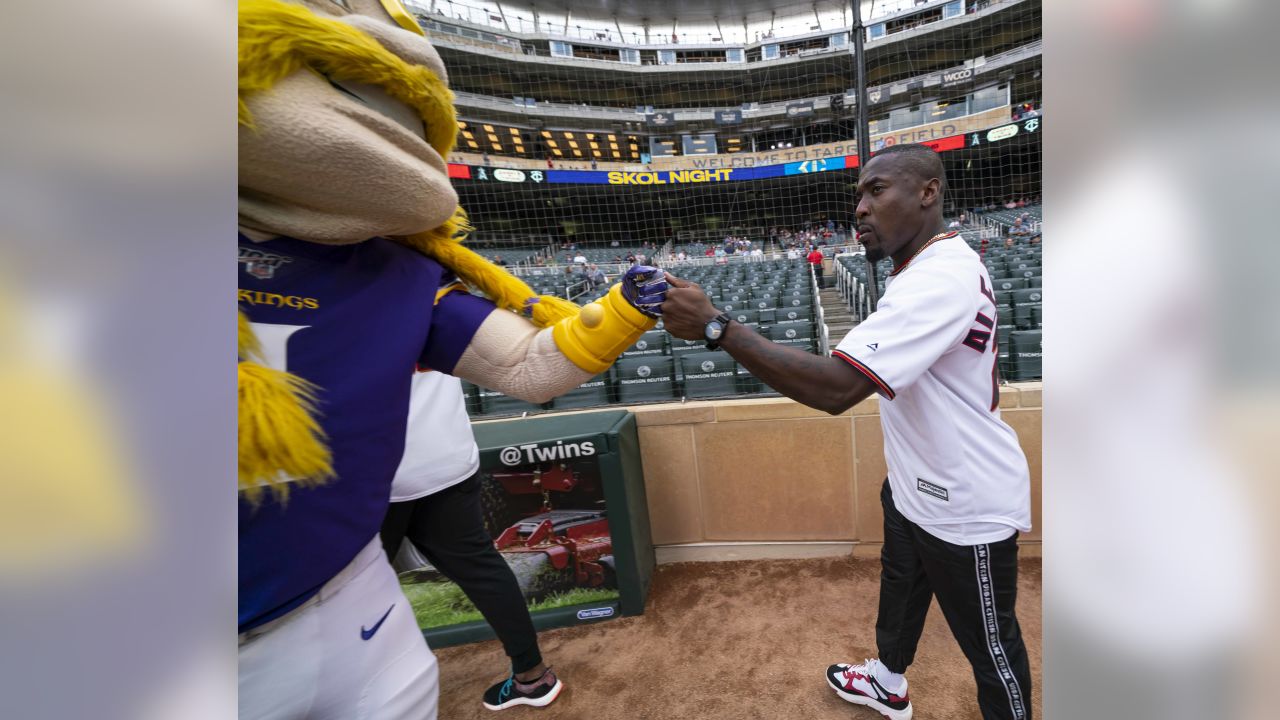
594, 338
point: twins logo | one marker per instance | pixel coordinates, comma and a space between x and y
708, 366
534, 453
642, 345
790, 334
262, 265
643, 371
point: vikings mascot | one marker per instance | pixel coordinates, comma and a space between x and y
351, 274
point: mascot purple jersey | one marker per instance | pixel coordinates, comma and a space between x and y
322, 312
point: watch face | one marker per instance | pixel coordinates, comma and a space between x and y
714, 330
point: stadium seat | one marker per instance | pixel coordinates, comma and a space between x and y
795, 301
1037, 316
709, 374
1007, 283
1029, 272
1033, 281
1004, 297
764, 303
746, 317
680, 347
1025, 354
471, 394
645, 379
592, 393
786, 316
653, 342
797, 335
767, 317
493, 402
1029, 296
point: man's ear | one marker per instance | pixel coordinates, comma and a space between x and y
930, 193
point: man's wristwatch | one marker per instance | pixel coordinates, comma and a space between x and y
714, 330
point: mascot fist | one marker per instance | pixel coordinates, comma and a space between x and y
645, 288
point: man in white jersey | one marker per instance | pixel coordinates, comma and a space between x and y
958, 490
435, 504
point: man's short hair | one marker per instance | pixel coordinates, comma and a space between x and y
919, 160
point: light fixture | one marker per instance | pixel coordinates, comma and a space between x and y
546, 133
578, 153
488, 128
569, 135
462, 125
551, 143
515, 131
573, 144
612, 138
493, 138
557, 153
595, 146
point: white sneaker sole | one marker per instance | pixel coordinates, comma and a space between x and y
543, 701
863, 700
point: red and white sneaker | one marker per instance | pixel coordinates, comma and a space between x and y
858, 684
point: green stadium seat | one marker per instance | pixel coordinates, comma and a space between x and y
1029, 272
797, 335
680, 347
1006, 283
592, 393
709, 374
746, 317
1033, 281
1025, 351
1037, 316
788, 316
795, 301
1004, 297
1029, 296
764, 303
645, 379
767, 317
493, 402
653, 342
471, 394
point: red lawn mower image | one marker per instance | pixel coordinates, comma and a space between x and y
554, 549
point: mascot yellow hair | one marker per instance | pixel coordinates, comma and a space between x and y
278, 434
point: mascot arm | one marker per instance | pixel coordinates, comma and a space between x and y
511, 355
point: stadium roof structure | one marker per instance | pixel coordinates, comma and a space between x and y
725, 20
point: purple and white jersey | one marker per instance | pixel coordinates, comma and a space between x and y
355, 320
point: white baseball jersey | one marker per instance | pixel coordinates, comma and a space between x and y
439, 449
955, 468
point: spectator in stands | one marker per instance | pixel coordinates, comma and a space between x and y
497, 260
617, 259
580, 258
793, 253
1019, 230
1010, 204
709, 253
593, 164
614, 243
550, 165
486, 159
1008, 243
1035, 239
631, 258
955, 224
596, 277
815, 259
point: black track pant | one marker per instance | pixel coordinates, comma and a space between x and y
976, 586
448, 529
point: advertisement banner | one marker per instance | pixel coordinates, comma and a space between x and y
660, 119
728, 117
800, 109
956, 76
